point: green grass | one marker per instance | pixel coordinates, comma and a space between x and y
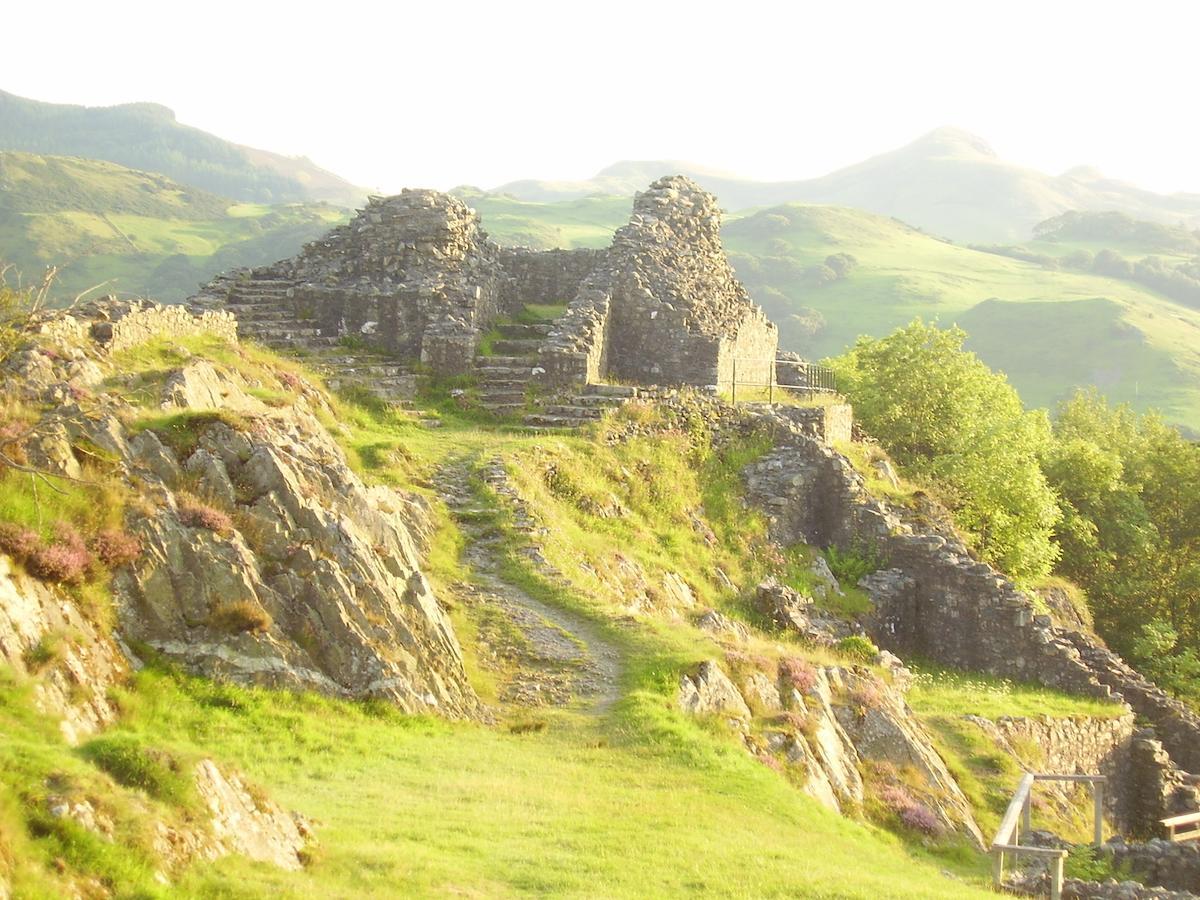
940, 691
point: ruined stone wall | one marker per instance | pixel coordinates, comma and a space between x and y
932, 599
674, 309
120, 324
830, 424
750, 354
544, 277
419, 265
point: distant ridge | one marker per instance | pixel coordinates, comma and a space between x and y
948, 182
147, 137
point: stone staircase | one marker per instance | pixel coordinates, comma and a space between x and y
503, 376
587, 406
266, 314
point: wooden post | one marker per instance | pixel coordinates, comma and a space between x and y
734, 381
997, 868
1098, 801
770, 387
1027, 815
1056, 877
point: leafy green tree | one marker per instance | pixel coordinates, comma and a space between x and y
947, 417
1129, 487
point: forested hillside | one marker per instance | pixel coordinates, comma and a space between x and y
146, 136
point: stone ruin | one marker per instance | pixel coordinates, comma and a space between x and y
415, 277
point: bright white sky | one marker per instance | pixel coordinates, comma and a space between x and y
439, 93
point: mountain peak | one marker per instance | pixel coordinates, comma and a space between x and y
948, 141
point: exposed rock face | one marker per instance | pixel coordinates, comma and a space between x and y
43, 629
830, 721
708, 691
323, 571
243, 824
264, 559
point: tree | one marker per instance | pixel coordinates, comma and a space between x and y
946, 416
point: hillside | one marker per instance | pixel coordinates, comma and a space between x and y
147, 136
947, 182
1049, 330
134, 232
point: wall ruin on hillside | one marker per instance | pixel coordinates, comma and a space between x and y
933, 600
415, 276
664, 307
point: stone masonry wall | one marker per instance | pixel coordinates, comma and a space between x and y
547, 277
749, 354
662, 306
419, 265
120, 324
932, 599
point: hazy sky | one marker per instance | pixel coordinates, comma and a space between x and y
438, 94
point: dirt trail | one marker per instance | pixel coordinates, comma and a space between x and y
547, 656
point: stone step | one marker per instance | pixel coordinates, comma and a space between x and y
505, 409
573, 412
542, 420
502, 360
517, 347
285, 330
502, 393
518, 331
599, 401
610, 390
366, 370
505, 372
283, 343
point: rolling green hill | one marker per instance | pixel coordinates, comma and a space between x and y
947, 182
146, 136
133, 232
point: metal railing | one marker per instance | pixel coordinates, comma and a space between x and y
1018, 820
803, 378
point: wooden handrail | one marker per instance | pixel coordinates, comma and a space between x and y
1185, 819
1173, 822
1018, 818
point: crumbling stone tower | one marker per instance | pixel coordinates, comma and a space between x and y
416, 270
664, 306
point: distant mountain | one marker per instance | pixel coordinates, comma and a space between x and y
136, 233
948, 183
147, 137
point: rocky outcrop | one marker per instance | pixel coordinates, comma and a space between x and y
264, 558
44, 632
255, 827
315, 584
849, 733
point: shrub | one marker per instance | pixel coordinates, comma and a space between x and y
858, 648
65, 561
116, 548
18, 542
799, 673
240, 616
195, 514
156, 772
850, 566
48, 649
920, 817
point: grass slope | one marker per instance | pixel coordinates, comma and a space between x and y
138, 233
